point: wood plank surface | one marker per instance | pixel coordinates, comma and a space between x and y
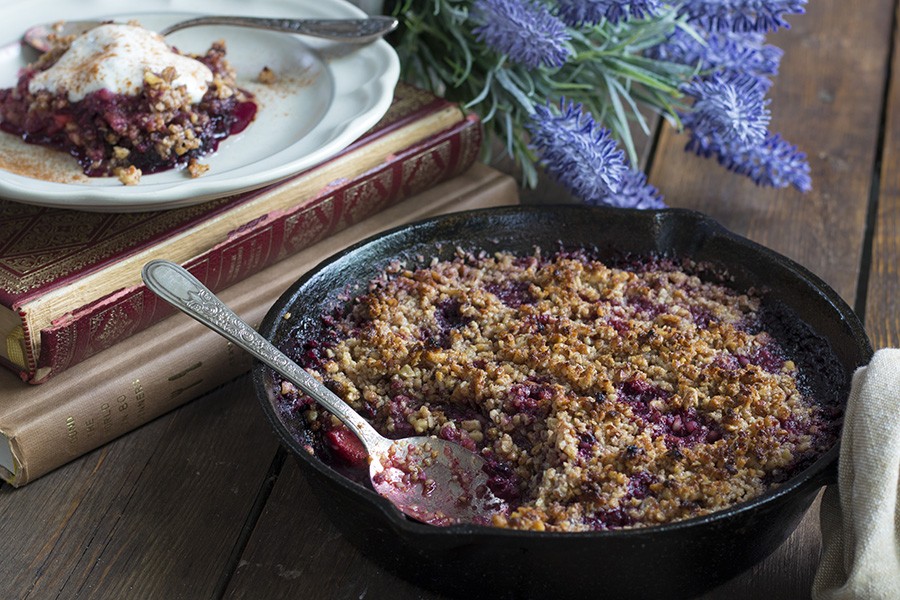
296, 552
883, 290
57, 519
185, 515
202, 503
156, 514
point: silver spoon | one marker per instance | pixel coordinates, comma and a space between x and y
429, 479
344, 30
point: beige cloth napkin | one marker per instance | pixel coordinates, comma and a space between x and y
859, 517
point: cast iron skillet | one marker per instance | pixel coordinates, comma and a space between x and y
669, 561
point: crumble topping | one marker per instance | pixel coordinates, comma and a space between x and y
267, 76
602, 396
129, 175
120, 100
196, 168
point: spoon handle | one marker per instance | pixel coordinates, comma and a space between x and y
345, 30
175, 285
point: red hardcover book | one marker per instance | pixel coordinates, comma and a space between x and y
70, 281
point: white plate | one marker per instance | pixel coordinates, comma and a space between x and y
326, 96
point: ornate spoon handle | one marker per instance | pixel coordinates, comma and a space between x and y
346, 30
175, 285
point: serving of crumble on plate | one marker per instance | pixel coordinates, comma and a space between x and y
316, 98
124, 103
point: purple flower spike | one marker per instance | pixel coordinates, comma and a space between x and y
741, 15
577, 152
727, 110
774, 163
523, 30
725, 52
635, 192
746, 52
591, 12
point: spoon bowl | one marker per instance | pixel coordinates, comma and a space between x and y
359, 31
432, 480
435, 481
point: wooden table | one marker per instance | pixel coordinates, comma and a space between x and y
203, 503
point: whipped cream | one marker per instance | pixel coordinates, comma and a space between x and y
114, 57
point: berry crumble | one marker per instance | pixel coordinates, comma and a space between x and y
124, 103
603, 394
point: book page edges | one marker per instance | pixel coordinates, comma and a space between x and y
9, 465
40, 312
13, 347
178, 359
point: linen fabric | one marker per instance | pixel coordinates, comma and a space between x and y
859, 518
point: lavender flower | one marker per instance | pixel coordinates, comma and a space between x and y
774, 163
727, 110
740, 15
523, 30
725, 52
577, 152
591, 12
635, 192
729, 119
746, 53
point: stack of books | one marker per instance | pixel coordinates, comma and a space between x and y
92, 354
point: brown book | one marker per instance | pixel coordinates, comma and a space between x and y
70, 281
43, 427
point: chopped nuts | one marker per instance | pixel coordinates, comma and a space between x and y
152, 79
267, 76
196, 169
129, 175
